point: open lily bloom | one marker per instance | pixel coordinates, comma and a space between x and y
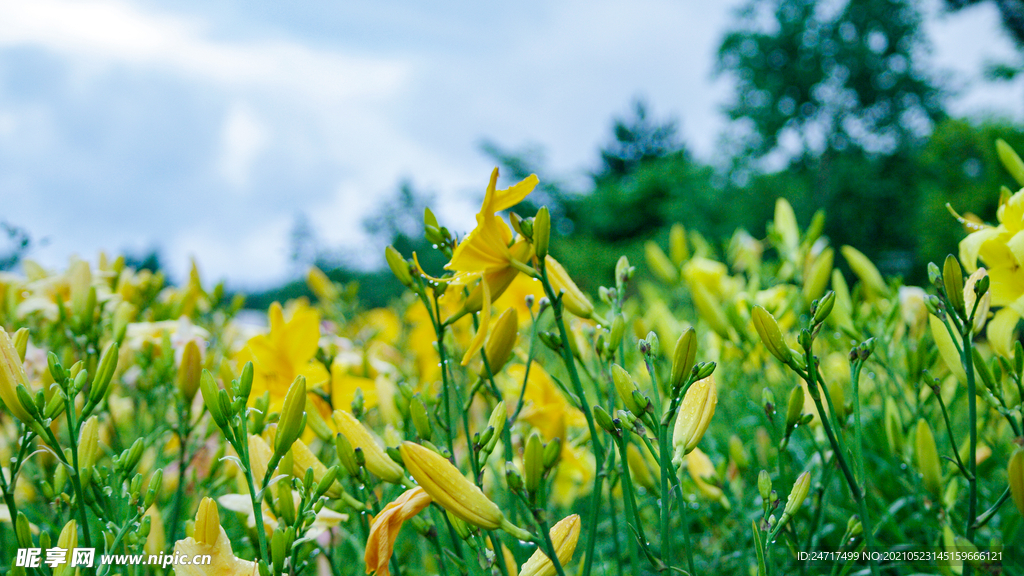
242, 503
1002, 250
487, 254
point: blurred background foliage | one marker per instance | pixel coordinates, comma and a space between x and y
833, 108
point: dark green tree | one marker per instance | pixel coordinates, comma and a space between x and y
816, 78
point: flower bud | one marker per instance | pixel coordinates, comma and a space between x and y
625, 386
449, 488
824, 307
20, 340
377, 462
88, 447
678, 250
573, 298
639, 469
420, 418
623, 271
293, 416
12, 375
797, 495
245, 382
794, 410
1011, 161
68, 540
399, 267
817, 275
705, 370
533, 463
953, 282
346, 455
695, 414
502, 340
764, 485
564, 536
978, 283
869, 276
189, 371
321, 285
768, 329
512, 478
604, 420
211, 394
124, 312
1015, 477
928, 458
683, 358
617, 331
552, 453
131, 456
541, 232
496, 422
660, 264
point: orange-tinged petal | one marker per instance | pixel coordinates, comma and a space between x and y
380, 544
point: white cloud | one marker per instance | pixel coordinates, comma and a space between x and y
115, 32
243, 138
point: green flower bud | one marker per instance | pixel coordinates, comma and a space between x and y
1011, 161
824, 307
764, 485
798, 495
23, 530
604, 420
541, 232
625, 386
660, 264
293, 416
678, 250
928, 458
399, 267
934, 275
512, 478
683, 358
953, 282
768, 329
420, 418
210, 392
552, 452
278, 550
795, 408
533, 463
245, 382
346, 455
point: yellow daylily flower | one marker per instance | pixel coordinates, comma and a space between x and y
287, 351
209, 538
564, 536
380, 544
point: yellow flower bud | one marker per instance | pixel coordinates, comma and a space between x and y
928, 458
190, 370
260, 454
768, 329
947, 349
293, 416
449, 488
564, 536
785, 224
660, 264
156, 542
709, 308
798, 495
21, 342
695, 414
68, 540
88, 447
12, 374
573, 298
817, 275
80, 280
869, 276
639, 469
377, 462
321, 285
678, 250
502, 340
1015, 477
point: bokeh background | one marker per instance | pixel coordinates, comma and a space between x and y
258, 138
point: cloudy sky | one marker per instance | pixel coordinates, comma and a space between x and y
205, 128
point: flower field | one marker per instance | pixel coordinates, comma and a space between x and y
750, 410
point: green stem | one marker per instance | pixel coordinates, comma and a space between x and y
837, 449
570, 364
242, 447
